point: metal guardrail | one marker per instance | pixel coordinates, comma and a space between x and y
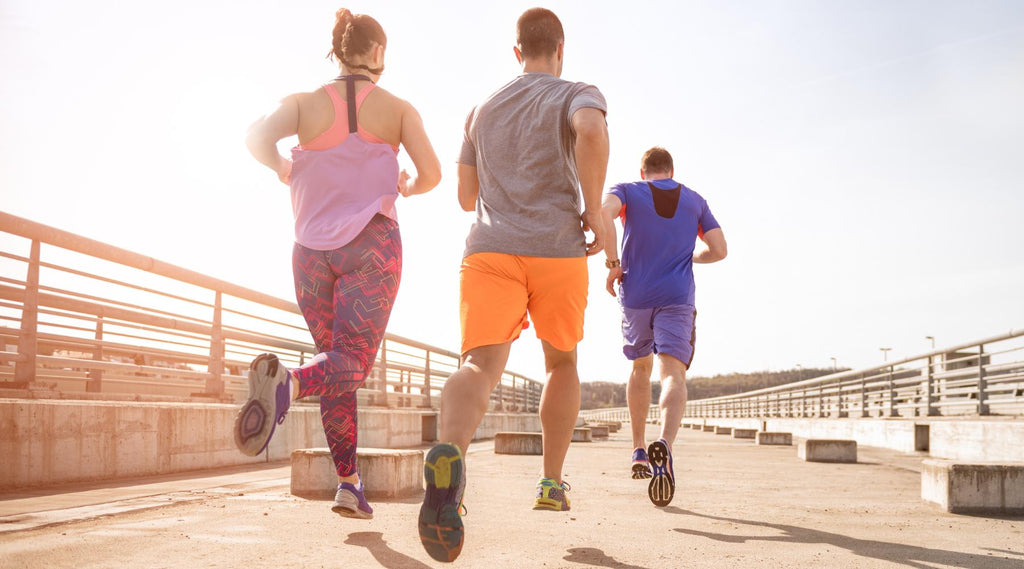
93, 318
984, 377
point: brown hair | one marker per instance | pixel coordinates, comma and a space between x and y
657, 160
354, 35
538, 33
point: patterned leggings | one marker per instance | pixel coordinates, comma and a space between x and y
346, 296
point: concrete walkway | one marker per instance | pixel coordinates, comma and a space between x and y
737, 505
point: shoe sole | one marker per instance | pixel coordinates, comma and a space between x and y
440, 524
662, 487
641, 471
549, 505
350, 508
349, 513
255, 421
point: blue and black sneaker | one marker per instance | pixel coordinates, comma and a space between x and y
641, 466
663, 483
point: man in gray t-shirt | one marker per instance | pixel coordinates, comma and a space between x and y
530, 150
522, 144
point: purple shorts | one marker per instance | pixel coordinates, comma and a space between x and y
665, 330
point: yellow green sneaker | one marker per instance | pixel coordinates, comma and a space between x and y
440, 520
552, 496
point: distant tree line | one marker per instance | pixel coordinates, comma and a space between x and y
603, 394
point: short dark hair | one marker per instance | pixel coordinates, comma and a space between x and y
538, 33
657, 159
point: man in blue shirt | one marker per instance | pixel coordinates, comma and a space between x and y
662, 220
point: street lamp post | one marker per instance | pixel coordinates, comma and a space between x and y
833, 364
931, 339
885, 353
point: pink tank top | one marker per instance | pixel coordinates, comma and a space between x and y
337, 189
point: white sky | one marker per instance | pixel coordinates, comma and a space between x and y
865, 159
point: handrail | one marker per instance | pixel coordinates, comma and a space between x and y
983, 377
831, 378
87, 323
65, 240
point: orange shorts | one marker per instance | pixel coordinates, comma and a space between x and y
497, 290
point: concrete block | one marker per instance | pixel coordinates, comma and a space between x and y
723, 430
973, 488
581, 435
744, 433
827, 450
764, 438
518, 443
708, 428
613, 426
385, 473
598, 431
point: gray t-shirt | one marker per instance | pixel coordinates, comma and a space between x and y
521, 142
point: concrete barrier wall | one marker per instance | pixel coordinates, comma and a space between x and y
495, 423
968, 439
48, 442
978, 441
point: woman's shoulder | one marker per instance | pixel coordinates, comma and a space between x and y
390, 99
317, 95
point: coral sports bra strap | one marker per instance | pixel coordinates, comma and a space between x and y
350, 98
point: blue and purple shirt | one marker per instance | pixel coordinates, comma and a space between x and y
662, 220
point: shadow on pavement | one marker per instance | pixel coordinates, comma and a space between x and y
909, 555
596, 557
387, 557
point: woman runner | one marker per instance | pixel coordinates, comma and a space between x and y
347, 259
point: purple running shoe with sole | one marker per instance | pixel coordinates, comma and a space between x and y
349, 502
266, 406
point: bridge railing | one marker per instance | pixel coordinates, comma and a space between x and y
984, 377
78, 315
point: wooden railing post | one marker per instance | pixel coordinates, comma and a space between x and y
426, 380
863, 397
929, 389
215, 367
982, 382
891, 387
95, 383
383, 379
25, 368
842, 412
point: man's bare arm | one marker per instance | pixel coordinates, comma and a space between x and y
716, 249
609, 211
592, 165
469, 187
